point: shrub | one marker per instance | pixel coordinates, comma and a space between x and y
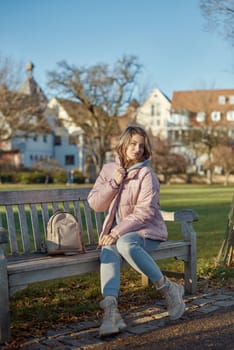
6, 177
79, 178
59, 177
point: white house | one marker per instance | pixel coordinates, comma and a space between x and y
35, 146
69, 145
207, 110
63, 143
154, 113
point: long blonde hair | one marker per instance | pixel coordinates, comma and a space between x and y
125, 140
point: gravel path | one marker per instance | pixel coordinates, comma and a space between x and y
208, 323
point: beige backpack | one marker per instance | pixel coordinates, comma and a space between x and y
64, 234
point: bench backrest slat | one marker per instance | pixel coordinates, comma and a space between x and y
66, 206
35, 212
77, 213
89, 223
11, 229
43, 196
24, 227
55, 207
45, 215
99, 221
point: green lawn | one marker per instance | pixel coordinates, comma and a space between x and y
212, 203
57, 302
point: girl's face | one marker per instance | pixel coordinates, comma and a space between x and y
135, 149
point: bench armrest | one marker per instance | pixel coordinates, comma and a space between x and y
168, 215
187, 215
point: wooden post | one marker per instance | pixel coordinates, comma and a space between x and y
4, 294
190, 266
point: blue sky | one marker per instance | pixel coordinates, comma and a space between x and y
168, 37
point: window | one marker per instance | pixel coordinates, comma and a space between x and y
35, 138
73, 140
152, 110
44, 138
215, 116
231, 99
222, 100
158, 109
57, 140
59, 122
230, 116
157, 121
201, 117
69, 159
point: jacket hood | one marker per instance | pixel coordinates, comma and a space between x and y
135, 166
139, 165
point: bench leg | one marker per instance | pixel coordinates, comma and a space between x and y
190, 271
190, 265
190, 277
4, 301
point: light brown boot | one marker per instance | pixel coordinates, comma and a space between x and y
112, 321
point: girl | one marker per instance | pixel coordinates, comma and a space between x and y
133, 227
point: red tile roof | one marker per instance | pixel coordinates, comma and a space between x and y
202, 100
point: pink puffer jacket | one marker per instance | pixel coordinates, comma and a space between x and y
136, 201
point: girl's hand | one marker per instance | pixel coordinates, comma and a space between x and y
107, 240
120, 174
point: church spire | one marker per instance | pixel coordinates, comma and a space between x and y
30, 86
29, 68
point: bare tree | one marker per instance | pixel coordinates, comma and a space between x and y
206, 134
223, 156
20, 115
103, 91
212, 138
10, 72
165, 161
219, 15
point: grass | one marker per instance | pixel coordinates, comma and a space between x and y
212, 203
55, 303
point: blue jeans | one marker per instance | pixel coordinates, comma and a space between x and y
136, 251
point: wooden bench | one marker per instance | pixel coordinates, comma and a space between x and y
23, 260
